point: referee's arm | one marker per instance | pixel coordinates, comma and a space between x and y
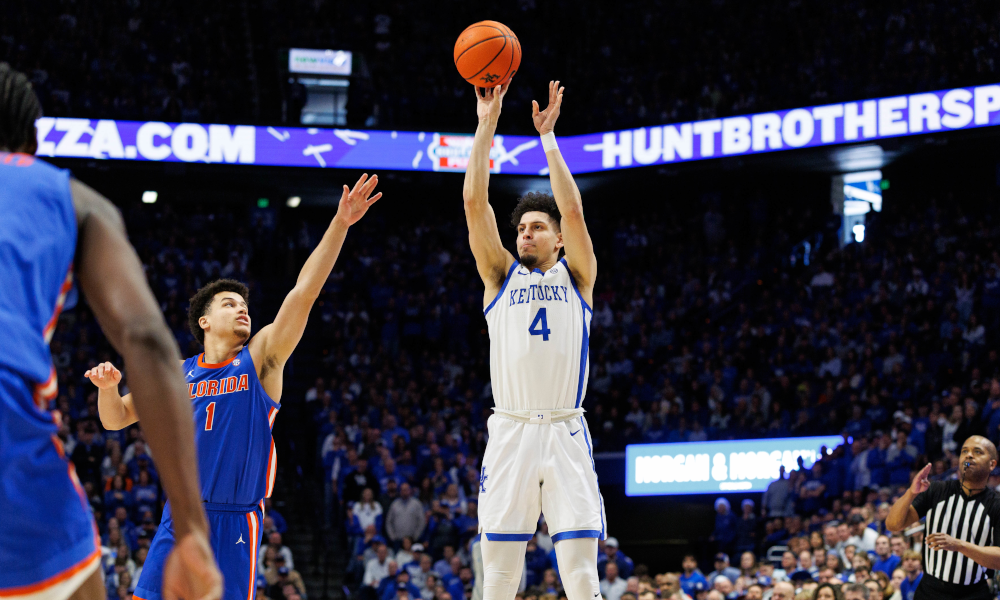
902, 514
987, 556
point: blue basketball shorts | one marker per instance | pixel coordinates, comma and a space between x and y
47, 533
235, 534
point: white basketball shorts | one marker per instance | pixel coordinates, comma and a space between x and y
529, 469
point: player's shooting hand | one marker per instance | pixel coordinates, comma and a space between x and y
104, 375
489, 101
190, 572
920, 482
354, 203
943, 541
545, 120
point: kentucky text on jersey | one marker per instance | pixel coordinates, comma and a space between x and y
539, 292
215, 387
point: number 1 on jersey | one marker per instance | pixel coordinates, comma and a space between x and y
211, 416
540, 325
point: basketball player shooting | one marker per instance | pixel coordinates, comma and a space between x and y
537, 306
235, 388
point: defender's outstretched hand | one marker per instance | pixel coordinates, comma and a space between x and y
104, 375
354, 203
545, 120
489, 101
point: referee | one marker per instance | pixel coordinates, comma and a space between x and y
962, 526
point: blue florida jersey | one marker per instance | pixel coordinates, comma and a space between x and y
233, 417
37, 243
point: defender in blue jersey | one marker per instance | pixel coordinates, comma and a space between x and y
56, 232
235, 387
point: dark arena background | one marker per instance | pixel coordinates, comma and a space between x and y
794, 207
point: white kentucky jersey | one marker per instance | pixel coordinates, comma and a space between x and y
539, 340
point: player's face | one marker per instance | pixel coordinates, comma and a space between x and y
229, 316
538, 238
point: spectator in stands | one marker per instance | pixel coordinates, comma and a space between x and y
536, 562
784, 590
912, 566
722, 568
828, 591
274, 541
428, 589
691, 575
724, 586
885, 561
612, 586
358, 481
724, 534
862, 537
279, 575
789, 564
862, 568
612, 554
419, 572
805, 565
898, 545
746, 528
377, 568
406, 516
443, 566
364, 513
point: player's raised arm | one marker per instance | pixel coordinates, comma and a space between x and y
492, 259
273, 344
576, 239
114, 284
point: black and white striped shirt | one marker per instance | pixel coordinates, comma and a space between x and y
974, 519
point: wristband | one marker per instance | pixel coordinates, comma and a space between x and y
549, 141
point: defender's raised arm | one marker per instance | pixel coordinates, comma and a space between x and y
492, 259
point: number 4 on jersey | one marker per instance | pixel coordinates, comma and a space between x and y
540, 325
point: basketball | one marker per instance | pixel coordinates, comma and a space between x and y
487, 54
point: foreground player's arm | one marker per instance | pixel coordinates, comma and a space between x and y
492, 259
273, 344
901, 513
576, 239
114, 284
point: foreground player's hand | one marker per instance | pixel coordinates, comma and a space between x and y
943, 541
920, 482
104, 375
190, 572
354, 203
545, 120
489, 101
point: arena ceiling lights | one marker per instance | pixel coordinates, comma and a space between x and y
845, 123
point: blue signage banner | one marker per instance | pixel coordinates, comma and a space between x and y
717, 467
848, 122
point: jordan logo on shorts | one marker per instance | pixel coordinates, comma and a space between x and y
482, 481
240, 541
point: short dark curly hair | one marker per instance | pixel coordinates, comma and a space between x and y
535, 201
201, 302
541, 202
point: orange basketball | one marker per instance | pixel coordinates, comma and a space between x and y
487, 54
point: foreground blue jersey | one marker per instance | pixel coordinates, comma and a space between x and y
47, 534
37, 243
233, 417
